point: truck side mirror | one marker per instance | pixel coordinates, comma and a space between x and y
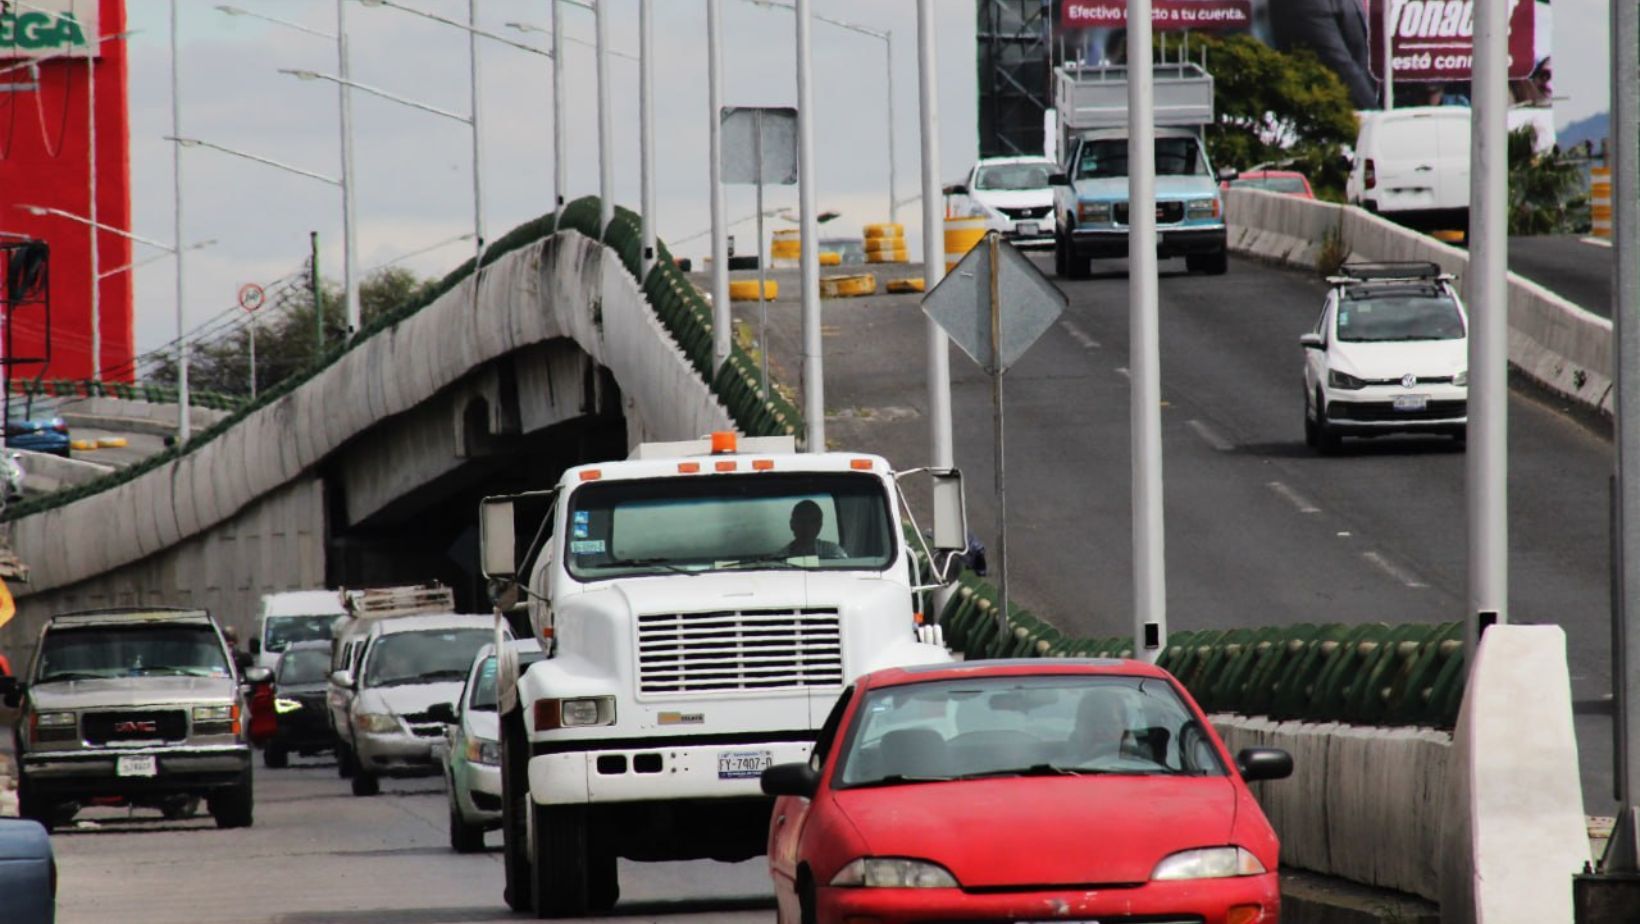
950, 512
343, 679
1058, 179
497, 537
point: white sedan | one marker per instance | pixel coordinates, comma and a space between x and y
1014, 196
1388, 355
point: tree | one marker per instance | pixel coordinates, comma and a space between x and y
1544, 190
1275, 109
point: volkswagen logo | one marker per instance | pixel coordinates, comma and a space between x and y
1408, 380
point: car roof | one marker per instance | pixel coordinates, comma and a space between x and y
129, 615
1023, 159
1011, 667
313, 644
303, 603
422, 622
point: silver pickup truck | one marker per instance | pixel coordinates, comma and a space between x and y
136, 706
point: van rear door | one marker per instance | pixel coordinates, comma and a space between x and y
1407, 155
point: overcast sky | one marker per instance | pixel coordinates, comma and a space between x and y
414, 183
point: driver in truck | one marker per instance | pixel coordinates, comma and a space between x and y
806, 523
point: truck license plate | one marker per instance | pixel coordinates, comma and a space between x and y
1028, 229
136, 765
1411, 402
741, 765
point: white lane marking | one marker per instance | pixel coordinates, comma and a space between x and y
1123, 372
1211, 436
1079, 335
1596, 241
1393, 570
1298, 500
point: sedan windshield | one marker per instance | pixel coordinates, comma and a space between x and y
728, 523
282, 630
1415, 317
130, 651
1013, 176
1024, 726
424, 656
304, 665
1281, 184
1109, 158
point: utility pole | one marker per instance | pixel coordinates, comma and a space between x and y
722, 318
318, 295
646, 133
941, 452
184, 424
606, 138
814, 385
1144, 360
560, 171
350, 230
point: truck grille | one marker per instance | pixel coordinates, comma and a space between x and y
144, 725
739, 650
1168, 212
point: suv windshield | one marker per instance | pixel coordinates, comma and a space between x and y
280, 631
88, 652
1013, 176
729, 522
423, 656
1005, 726
305, 665
1108, 157
1401, 317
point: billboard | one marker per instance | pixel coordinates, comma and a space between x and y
1165, 15
1434, 39
48, 28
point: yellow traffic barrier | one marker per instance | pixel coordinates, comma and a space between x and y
902, 286
745, 290
848, 286
885, 229
786, 244
889, 256
111, 442
1600, 201
1450, 235
884, 244
831, 258
961, 234
83, 445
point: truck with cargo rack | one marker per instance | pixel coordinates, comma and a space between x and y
702, 605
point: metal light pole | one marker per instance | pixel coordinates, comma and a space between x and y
1488, 461
91, 184
606, 137
941, 451
474, 110
1389, 55
814, 385
1623, 852
1144, 360
350, 236
560, 170
646, 134
722, 318
184, 425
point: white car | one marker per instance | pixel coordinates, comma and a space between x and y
1389, 355
1014, 196
472, 755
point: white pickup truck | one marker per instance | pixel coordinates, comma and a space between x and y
702, 604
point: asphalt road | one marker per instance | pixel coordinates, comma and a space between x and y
1259, 529
1569, 266
319, 855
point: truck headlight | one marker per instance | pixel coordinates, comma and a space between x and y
579, 712
54, 720
1202, 208
1093, 211
1209, 863
377, 723
222, 713
894, 873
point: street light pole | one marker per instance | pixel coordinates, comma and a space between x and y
184, 425
606, 138
893, 172
942, 453
722, 318
91, 184
646, 133
560, 170
350, 231
474, 110
814, 386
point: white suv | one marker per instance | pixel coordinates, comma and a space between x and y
1390, 354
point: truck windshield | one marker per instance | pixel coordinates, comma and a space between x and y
729, 522
280, 631
92, 652
1108, 157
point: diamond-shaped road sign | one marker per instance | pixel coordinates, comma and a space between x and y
1027, 302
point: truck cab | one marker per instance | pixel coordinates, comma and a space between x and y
702, 605
1091, 194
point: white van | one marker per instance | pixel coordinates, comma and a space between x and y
293, 616
1412, 165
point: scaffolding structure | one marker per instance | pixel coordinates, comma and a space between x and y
1016, 56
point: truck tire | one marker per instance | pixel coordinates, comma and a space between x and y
604, 885
233, 808
33, 807
515, 801
1212, 264
366, 784
274, 756
559, 875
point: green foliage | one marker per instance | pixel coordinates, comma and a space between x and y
1275, 109
1545, 192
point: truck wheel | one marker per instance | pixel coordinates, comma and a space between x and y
515, 801
604, 887
1212, 264
559, 873
366, 784
32, 806
1061, 260
274, 756
464, 837
233, 808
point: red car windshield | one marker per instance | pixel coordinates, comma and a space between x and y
1018, 726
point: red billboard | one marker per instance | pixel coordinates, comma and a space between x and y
53, 62
1196, 15
1434, 39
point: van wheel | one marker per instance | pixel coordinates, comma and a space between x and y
366, 784
1061, 261
233, 808
274, 756
33, 807
559, 874
515, 801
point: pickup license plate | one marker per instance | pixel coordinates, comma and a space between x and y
1411, 402
741, 765
1027, 229
136, 765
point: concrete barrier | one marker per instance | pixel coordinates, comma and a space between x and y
1556, 343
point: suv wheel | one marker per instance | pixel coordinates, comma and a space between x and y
366, 784
604, 880
233, 808
559, 874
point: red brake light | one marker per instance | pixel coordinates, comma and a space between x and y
60, 427
1369, 174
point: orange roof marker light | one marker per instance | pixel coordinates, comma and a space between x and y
762, 465
591, 474
727, 465
861, 464
688, 468
724, 441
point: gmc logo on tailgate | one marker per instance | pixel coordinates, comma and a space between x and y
136, 726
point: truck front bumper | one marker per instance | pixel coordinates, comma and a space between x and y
87, 774
660, 771
1112, 242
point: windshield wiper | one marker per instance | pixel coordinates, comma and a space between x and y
71, 675
184, 671
1035, 770
660, 563
897, 779
773, 558
429, 677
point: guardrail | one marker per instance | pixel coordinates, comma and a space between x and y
129, 391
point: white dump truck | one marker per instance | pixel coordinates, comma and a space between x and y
702, 604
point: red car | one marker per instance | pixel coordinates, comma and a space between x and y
1290, 182
1008, 791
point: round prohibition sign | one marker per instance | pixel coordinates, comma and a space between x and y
251, 296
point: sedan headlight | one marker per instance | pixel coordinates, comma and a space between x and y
54, 720
376, 722
1344, 380
480, 751
1462, 378
1093, 211
222, 713
894, 873
1202, 208
286, 706
1208, 863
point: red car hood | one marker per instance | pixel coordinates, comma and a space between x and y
1098, 830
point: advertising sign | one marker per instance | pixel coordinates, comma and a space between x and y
47, 28
1434, 39
1197, 15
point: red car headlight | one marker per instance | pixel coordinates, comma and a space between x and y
894, 873
1208, 863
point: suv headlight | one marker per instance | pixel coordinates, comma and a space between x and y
894, 873
1208, 863
1093, 211
579, 712
222, 713
1462, 378
1344, 380
377, 723
1202, 208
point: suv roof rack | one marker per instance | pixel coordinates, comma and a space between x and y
404, 600
1408, 271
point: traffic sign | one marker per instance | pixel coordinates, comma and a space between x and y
251, 296
1026, 304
